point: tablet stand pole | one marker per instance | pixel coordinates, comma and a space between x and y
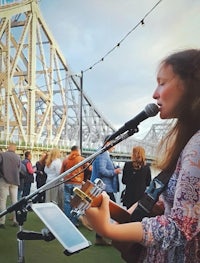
21, 210
21, 218
23, 235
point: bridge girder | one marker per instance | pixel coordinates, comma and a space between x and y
39, 94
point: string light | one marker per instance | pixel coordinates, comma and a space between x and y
119, 43
116, 46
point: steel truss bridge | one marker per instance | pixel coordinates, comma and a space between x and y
40, 96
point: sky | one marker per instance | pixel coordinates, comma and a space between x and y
122, 84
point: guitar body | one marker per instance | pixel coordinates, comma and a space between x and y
90, 196
130, 251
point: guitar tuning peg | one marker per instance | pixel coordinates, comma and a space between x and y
99, 183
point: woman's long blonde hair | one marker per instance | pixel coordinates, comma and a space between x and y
53, 154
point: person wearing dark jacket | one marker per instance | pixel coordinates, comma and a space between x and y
136, 176
29, 179
9, 179
41, 176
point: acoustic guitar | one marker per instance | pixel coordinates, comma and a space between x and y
89, 195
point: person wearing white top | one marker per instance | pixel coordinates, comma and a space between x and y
52, 169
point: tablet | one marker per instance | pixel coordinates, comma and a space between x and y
61, 227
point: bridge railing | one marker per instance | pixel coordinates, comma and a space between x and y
37, 149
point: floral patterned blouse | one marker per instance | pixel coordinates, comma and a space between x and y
175, 236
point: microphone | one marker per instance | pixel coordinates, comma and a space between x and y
149, 111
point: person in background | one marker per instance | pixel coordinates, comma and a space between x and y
103, 168
52, 169
9, 180
22, 175
136, 176
73, 179
175, 235
41, 176
29, 178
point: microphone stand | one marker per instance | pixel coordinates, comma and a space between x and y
23, 205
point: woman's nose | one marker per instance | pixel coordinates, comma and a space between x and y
156, 94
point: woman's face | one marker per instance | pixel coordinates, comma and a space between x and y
169, 92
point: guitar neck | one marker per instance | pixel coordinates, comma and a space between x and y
117, 212
86, 195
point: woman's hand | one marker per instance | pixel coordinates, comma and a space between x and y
99, 217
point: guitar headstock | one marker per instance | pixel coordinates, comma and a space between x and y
87, 196
90, 195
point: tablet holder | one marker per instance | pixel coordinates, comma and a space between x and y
45, 234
